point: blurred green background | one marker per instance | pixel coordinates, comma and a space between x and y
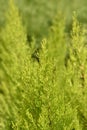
38, 15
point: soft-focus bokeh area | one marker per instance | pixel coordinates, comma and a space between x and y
38, 14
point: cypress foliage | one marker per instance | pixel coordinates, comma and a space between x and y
45, 104
43, 95
13, 52
76, 72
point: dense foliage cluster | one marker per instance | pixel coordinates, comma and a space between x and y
42, 88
